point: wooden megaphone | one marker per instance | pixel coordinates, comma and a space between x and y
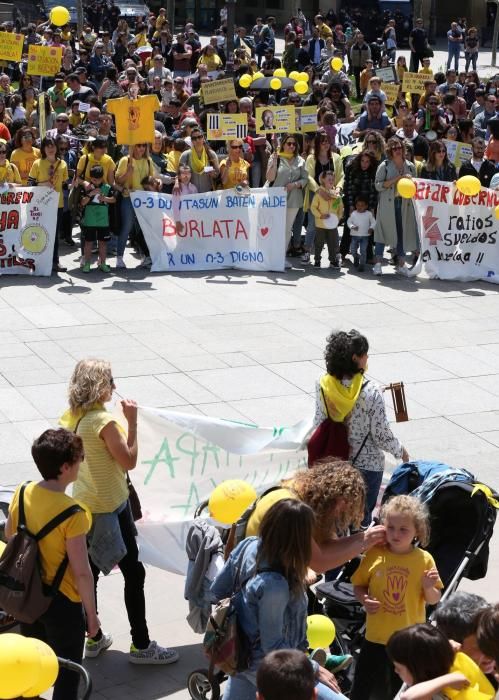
399, 403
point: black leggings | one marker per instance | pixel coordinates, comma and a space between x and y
375, 676
134, 574
62, 627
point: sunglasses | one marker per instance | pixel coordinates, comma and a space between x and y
28, 137
396, 148
62, 120
236, 147
290, 143
197, 138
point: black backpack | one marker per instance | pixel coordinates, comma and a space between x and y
23, 594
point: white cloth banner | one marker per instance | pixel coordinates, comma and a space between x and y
344, 134
219, 229
459, 234
28, 217
183, 457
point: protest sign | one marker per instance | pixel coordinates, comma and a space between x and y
459, 234
391, 91
227, 126
218, 91
183, 457
306, 118
458, 152
344, 134
28, 218
414, 82
275, 120
11, 46
44, 60
223, 229
387, 74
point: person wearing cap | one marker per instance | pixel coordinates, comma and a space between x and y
182, 54
58, 94
158, 69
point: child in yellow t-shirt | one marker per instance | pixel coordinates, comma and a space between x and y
327, 208
75, 118
393, 582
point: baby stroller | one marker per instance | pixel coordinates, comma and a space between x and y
462, 519
7, 622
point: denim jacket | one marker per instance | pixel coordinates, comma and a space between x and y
269, 614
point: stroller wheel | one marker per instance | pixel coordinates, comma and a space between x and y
201, 688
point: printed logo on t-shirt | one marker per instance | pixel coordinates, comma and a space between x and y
133, 117
396, 586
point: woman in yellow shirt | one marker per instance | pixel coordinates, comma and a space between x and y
234, 169
210, 58
97, 156
9, 174
51, 171
110, 453
131, 170
24, 154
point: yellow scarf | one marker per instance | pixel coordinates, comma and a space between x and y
70, 420
288, 156
339, 399
199, 164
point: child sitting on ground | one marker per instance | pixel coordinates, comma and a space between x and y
327, 208
95, 221
361, 223
286, 673
393, 582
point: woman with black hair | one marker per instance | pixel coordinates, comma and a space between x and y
343, 394
360, 174
438, 165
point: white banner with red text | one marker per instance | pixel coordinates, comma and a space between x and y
28, 218
214, 230
459, 234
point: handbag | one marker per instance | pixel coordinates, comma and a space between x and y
134, 500
76, 194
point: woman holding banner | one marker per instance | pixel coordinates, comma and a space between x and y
202, 161
234, 170
9, 174
438, 165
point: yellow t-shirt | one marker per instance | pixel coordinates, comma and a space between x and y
394, 580
10, 173
264, 504
142, 167
173, 161
237, 172
24, 160
40, 506
212, 62
101, 483
106, 162
75, 119
40, 171
134, 118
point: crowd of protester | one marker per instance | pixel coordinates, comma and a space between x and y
111, 59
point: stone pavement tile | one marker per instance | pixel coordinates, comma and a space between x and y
13, 320
165, 342
199, 361
236, 359
31, 335
365, 315
148, 391
276, 411
477, 422
136, 368
489, 383
296, 350
32, 377
429, 309
131, 309
52, 352
453, 396
416, 336
14, 473
415, 410
304, 374
17, 349
31, 429
24, 363
187, 388
139, 327
51, 400
235, 383
466, 361
84, 314
112, 347
491, 436
14, 447
7, 337
452, 439
16, 407
394, 366
253, 298
95, 330
23, 295
47, 316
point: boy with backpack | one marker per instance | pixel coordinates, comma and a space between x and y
45, 576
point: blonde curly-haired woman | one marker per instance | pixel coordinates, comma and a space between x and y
110, 452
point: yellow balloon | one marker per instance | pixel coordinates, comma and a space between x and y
336, 63
48, 670
320, 631
280, 73
479, 688
19, 665
406, 188
304, 77
59, 16
301, 87
275, 84
245, 81
294, 75
229, 500
469, 184
258, 75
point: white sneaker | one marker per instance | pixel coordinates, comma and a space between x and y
120, 263
154, 654
93, 649
403, 271
377, 270
287, 265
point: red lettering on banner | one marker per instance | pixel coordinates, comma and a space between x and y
9, 219
240, 230
169, 228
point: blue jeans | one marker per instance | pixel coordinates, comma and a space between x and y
128, 220
453, 54
361, 243
243, 687
372, 480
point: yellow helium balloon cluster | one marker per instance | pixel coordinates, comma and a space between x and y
469, 184
27, 666
229, 500
279, 73
320, 631
258, 75
301, 87
245, 81
275, 84
304, 77
59, 16
336, 63
406, 188
294, 75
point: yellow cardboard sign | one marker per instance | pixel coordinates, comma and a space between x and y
414, 82
458, 152
275, 120
227, 126
11, 46
44, 60
306, 118
391, 91
218, 91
